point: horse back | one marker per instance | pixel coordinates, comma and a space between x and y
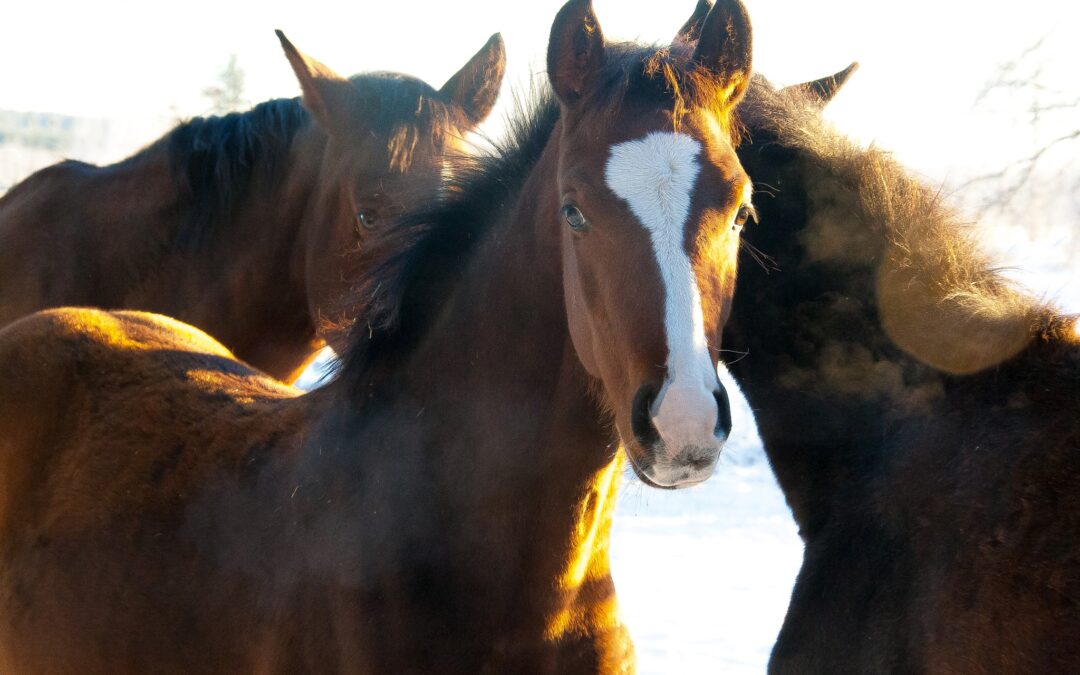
113, 427
75, 233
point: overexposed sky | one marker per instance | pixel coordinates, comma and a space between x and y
923, 61
143, 65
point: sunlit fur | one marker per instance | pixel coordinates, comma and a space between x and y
921, 414
244, 225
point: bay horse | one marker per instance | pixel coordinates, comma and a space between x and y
444, 504
921, 414
246, 225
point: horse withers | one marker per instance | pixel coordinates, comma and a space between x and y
246, 225
444, 504
920, 413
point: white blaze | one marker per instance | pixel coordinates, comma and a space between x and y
656, 176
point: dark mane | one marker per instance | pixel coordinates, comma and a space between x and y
215, 160
927, 260
407, 271
891, 201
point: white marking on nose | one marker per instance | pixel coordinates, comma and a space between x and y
656, 176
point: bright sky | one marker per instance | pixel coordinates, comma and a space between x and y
923, 61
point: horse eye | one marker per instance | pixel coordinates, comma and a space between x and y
745, 213
575, 219
367, 219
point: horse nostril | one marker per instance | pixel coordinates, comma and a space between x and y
641, 419
723, 413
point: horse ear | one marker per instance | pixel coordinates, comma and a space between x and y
476, 86
323, 89
822, 91
725, 46
575, 50
691, 30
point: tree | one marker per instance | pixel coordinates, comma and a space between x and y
228, 94
1043, 181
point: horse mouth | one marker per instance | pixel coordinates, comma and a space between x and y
691, 465
645, 478
641, 471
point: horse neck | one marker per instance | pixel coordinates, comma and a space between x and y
825, 380
524, 467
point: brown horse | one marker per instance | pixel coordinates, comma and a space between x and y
444, 505
247, 225
921, 415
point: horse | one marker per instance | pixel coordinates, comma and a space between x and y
443, 504
246, 225
921, 414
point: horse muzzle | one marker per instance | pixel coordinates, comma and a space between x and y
679, 432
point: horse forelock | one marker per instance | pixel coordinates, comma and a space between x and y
408, 112
666, 75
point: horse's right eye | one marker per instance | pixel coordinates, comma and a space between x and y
746, 212
575, 218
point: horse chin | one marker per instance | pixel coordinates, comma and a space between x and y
645, 479
634, 452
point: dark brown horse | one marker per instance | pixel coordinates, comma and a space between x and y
444, 505
247, 225
921, 415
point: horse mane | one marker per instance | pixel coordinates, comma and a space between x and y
215, 159
939, 296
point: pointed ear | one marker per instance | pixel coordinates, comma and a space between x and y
575, 50
324, 91
691, 30
725, 46
476, 86
822, 91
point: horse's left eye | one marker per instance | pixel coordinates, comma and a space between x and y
745, 213
366, 218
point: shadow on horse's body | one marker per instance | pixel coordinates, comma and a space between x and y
444, 504
245, 225
922, 417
